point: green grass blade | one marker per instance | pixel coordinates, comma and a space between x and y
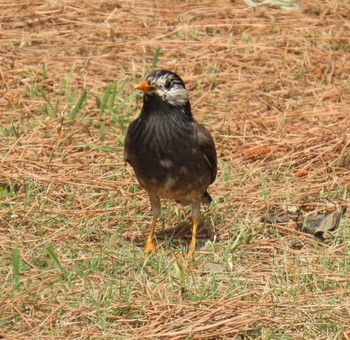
236, 242
78, 106
104, 100
126, 100
50, 251
102, 132
46, 98
16, 261
103, 148
113, 96
155, 57
27, 196
122, 88
118, 94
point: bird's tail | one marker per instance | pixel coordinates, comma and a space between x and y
206, 199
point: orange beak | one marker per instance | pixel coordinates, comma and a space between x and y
144, 86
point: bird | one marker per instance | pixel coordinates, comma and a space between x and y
172, 155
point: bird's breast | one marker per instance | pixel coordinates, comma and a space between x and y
167, 160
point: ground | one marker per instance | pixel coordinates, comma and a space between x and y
271, 85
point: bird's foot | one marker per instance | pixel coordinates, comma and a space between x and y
191, 254
150, 246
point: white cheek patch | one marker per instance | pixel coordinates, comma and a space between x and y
176, 96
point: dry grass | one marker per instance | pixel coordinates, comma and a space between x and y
272, 86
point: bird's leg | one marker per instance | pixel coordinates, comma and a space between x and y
155, 205
150, 246
192, 245
195, 217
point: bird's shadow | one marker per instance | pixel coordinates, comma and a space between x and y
181, 234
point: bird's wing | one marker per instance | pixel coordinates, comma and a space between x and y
126, 144
206, 144
127, 151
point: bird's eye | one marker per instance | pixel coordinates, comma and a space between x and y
167, 84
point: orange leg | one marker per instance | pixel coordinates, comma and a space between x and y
150, 246
192, 245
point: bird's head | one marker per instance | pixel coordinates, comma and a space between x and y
168, 86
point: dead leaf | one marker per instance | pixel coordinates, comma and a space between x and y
319, 225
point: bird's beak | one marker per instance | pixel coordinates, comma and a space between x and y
144, 86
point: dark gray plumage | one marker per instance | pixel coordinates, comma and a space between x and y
173, 156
